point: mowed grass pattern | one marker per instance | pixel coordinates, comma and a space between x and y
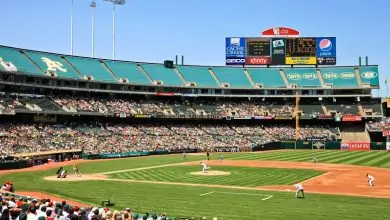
186, 200
363, 158
239, 176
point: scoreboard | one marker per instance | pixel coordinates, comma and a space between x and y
281, 51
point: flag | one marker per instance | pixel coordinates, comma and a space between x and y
386, 81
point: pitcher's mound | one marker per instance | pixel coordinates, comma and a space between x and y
72, 177
211, 173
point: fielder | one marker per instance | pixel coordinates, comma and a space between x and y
204, 167
221, 158
299, 188
314, 159
184, 155
370, 180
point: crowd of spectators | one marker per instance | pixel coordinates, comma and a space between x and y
112, 138
15, 207
379, 125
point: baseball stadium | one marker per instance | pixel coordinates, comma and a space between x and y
282, 129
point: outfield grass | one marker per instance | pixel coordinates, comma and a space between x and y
186, 200
239, 176
363, 158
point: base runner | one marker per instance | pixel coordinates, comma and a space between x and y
299, 188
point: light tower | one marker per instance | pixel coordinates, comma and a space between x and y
71, 28
93, 6
114, 3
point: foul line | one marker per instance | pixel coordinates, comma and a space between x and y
233, 193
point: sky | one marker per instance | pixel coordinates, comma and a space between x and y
157, 30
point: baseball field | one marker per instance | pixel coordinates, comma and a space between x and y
243, 186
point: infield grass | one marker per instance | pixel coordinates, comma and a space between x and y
231, 203
239, 176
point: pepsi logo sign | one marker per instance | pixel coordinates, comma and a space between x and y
330, 76
347, 75
369, 75
325, 46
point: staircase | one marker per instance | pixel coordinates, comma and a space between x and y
110, 72
358, 78
320, 78
283, 75
144, 72
352, 134
325, 109
214, 76
248, 76
181, 76
361, 110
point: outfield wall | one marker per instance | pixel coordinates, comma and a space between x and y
309, 145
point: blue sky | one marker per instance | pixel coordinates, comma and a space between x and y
156, 30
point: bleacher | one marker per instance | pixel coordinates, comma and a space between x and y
235, 77
268, 77
129, 71
302, 77
200, 75
91, 67
159, 73
108, 71
53, 62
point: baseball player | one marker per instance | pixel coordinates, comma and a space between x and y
184, 155
221, 158
314, 159
370, 180
76, 170
204, 167
299, 188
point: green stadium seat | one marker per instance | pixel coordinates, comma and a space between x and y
200, 75
234, 76
269, 77
302, 77
21, 62
159, 73
129, 71
55, 62
342, 77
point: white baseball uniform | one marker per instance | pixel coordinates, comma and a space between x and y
299, 188
204, 167
371, 180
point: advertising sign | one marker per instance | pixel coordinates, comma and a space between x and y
363, 146
351, 118
301, 60
235, 49
280, 32
386, 133
282, 51
326, 50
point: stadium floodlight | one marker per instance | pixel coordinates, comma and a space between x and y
93, 6
71, 27
114, 3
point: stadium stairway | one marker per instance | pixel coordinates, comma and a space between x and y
320, 78
358, 78
215, 76
181, 76
248, 76
325, 109
350, 133
144, 72
283, 75
109, 70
